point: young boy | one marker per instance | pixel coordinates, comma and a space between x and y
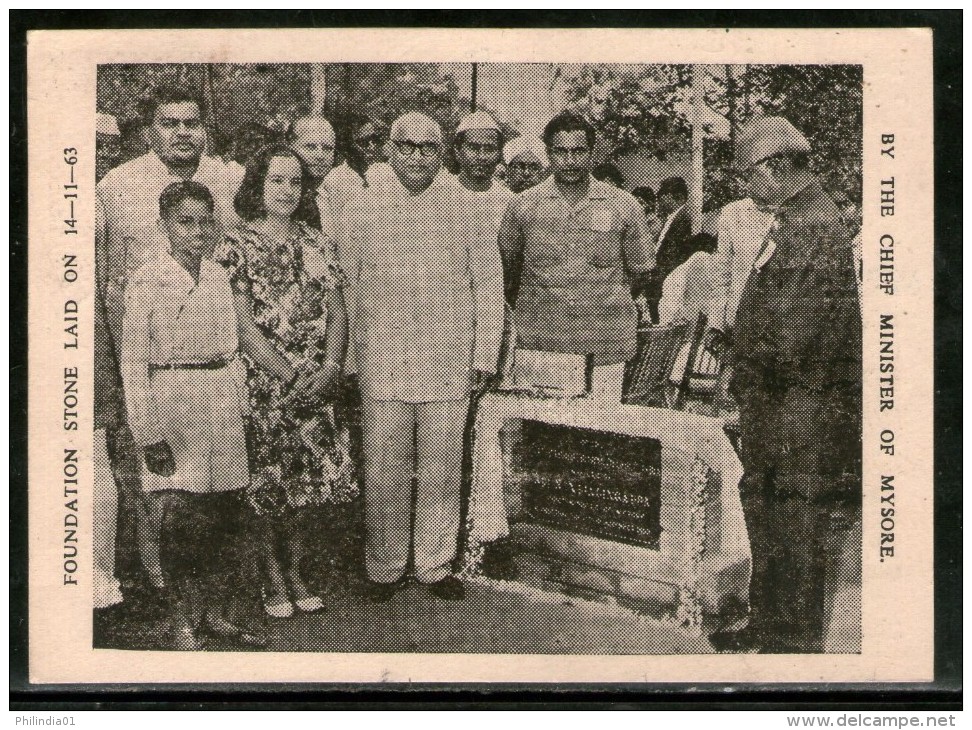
185, 400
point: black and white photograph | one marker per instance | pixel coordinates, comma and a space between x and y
505, 358
403, 355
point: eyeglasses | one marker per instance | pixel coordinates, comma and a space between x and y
482, 149
744, 175
408, 149
373, 140
525, 167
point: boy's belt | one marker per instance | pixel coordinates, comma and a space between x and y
216, 364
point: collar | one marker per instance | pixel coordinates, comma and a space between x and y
806, 201
302, 232
676, 212
159, 168
444, 180
597, 190
172, 270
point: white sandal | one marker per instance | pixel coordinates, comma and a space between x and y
283, 609
311, 604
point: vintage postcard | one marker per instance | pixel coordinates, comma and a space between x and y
465, 355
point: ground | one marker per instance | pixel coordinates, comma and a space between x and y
495, 617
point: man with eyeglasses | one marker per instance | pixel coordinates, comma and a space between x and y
526, 162
573, 247
430, 323
796, 354
127, 236
364, 160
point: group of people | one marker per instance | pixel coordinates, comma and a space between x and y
293, 333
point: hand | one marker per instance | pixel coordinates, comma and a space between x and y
312, 384
159, 459
482, 380
716, 342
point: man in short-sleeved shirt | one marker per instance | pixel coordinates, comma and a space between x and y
128, 237
572, 247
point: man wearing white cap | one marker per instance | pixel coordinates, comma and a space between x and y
478, 142
526, 162
430, 321
796, 353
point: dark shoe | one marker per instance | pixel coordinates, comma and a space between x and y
222, 627
449, 588
185, 637
143, 598
498, 561
735, 642
383, 592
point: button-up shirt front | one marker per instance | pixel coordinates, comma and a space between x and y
430, 294
569, 268
127, 232
172, 319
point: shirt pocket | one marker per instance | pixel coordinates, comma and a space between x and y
603, 248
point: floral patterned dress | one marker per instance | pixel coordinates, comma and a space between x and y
299, 456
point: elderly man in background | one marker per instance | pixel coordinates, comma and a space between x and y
430, 322
796, 354
312, 138
127, 236
526, 162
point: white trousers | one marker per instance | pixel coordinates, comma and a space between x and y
402, 441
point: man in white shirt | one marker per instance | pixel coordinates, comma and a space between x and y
431, 315
312, 138
478, 149
364, 163
127, 237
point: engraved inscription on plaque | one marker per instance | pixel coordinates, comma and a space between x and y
605, 485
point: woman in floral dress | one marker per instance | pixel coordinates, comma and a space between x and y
285, 275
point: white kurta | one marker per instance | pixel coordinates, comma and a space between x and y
430, 294
169, 318
341, 194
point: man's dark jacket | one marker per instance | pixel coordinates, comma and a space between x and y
675, 249
797, 355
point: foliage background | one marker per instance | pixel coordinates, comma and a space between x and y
643, 108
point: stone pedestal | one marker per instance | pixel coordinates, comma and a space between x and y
697, 569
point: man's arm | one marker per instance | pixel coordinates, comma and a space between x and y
511, 241
637, 247
143, 412
486, 267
